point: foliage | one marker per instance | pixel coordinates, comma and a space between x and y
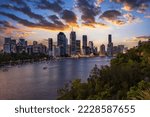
141, 91
115, 81
5, 58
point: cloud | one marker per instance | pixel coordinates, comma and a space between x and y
143, 37
147, 16
55, 20
117, 18
53, 6
19, 20
130, 18
19, 2
25, 9
139, 38
89, 11
98, 2
69, 17
113, 16
129, 5
44, 24
94, 25
5, 24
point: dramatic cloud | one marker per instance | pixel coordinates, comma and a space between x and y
55, 20
19, 2
70, 17
130, 18
113, 16
89, 11
5, 24
26, 10
139, 5
45, 24
54, 6
117, 18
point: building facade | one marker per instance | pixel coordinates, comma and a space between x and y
62, 43
78, 46
102, 50
73, 42
50, 47
110, 46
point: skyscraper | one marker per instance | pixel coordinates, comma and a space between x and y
84, 41
110, 46
91, 46
62, 43
102, 50
22, 42
109, 38
78, 46
13, 46
7, 45
73, 42
84, 46
50, 46
35, 42
7, 40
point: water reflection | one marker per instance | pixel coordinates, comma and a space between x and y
31, 81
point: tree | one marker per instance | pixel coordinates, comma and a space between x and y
140, 92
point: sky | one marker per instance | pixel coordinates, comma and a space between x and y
127, 20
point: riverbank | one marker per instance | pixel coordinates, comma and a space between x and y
21, 62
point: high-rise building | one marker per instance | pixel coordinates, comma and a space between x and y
91, 46
109, 38
50, 46
84, 41
30, 49
7, 48
110, 46
73, 42
13, 46
35, 42
35, 47
95, 51
62, 43
102, 50
7, 40
84, 44
78, 46
121, 48
7, 45
22, 42
56, 51
68, 50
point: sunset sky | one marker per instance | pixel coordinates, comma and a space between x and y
127, 20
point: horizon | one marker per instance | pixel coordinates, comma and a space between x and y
38, 20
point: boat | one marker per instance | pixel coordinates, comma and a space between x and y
44, 68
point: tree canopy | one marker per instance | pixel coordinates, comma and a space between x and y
127, 77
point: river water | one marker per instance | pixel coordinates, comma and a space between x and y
32, 82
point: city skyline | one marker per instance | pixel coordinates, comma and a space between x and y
39, 20
62, 48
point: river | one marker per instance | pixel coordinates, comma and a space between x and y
32, 82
